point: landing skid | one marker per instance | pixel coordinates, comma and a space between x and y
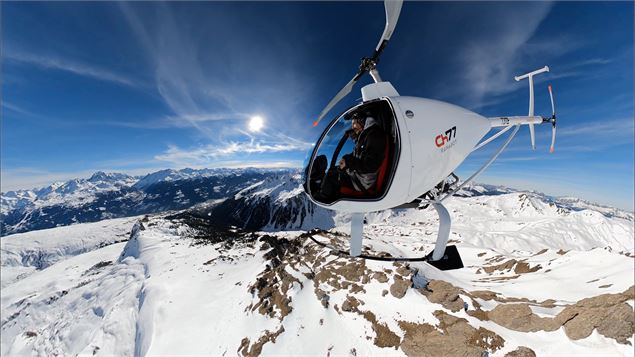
443, 257
450, 260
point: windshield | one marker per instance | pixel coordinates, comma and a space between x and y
326, 154
326, 181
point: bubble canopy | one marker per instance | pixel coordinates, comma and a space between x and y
338, 140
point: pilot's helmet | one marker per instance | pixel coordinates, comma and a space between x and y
359, 117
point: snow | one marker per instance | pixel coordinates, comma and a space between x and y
24, 253
73, 308
80, 290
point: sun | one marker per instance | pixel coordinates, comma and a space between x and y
256, 123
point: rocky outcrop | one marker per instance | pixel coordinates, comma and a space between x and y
252, 350
399, 287
444, 293
608, 313
521, 351
455, 337
519, 317
384, 337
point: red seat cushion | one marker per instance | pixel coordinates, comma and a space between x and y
379, 184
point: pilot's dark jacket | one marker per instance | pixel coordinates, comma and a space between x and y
363, 164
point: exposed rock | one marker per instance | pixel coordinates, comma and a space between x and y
523, 268
484, 294
350, 304
256, 348
403, 269
521, 351
271, 288
399, 287
479, 314
380, 277
456, 338
519, 267
384, 336
444, 293
356, 288
508, 265
338, 272
519, 317
608, 313
323, 297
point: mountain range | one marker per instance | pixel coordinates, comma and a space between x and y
104, 196
250, 198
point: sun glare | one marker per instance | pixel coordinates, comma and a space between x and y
255, 123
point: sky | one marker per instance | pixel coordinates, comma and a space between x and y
136, 87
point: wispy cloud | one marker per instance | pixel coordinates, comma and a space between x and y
250, 72
612, 128
210, 154
17, 109
494, 56
69, 65
173, 121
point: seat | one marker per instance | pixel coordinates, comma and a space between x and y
377, 188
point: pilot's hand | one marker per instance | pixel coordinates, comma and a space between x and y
342, 164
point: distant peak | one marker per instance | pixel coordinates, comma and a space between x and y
99, 175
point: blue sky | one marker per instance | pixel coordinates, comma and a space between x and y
137, 87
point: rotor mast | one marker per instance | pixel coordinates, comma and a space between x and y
369, 64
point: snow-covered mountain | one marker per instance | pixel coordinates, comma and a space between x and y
104, 196
73, 192
540, 278
251, 198
276, 203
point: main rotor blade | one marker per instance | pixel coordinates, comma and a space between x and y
341, 94
393, 9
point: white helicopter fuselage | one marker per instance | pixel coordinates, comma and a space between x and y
434, 139
430, 139
440, 135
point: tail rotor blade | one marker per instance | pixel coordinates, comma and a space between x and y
341, 94
532, 134
553, 138
553, 107
553, 121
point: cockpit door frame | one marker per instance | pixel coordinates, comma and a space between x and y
396, 155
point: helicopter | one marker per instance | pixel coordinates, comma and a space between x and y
426, 140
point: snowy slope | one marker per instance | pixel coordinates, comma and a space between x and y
537, 275
25, 253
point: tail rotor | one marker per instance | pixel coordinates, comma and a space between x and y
552, 120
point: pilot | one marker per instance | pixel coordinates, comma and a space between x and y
357, 170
